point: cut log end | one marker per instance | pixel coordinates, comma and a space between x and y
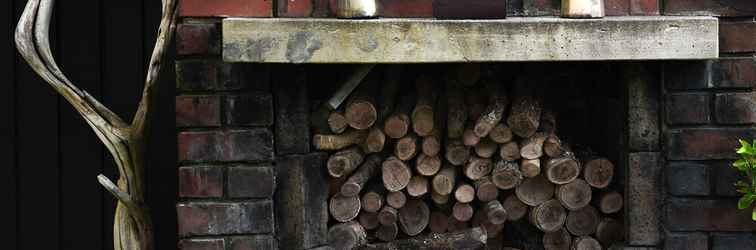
396, 126
361, 114
611, 202
464, 193
530, 168
369, 221
558, 240
477, 167
422, 120
583, 221
574, 195
585, 243
486, 148
462, 211
562, 170
396, 199
516, 210
486, 190
609, 231
418, 186
469, 138
388, 215
599, 172
444, 182
534, 191
337, 122
387, 233
375, 141
342, 163
509, 151
501, 134
406, 148
495, 212
344, 208
506, 175
372, 202
550, 216
395, 174
414, 217
428, 165
348, 235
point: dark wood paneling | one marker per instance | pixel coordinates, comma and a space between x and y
7, 126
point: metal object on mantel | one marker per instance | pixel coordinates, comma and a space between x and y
583, 8
358, 8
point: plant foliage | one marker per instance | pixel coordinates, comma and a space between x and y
747, 166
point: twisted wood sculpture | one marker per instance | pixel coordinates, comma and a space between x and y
132, 227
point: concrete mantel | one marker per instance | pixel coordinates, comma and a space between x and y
284, 40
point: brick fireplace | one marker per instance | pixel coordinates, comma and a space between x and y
250, 179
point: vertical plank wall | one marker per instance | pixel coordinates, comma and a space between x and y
49, 157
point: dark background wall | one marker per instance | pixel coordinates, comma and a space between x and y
49, 157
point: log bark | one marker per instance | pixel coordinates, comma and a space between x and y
485, 189
501, 134
515, 208
598, 172
369, 221
427, 165
472, 239
574, 195
439, 199
355, 183
532, 147
562, 169
395, 174
418, 186
609, 231
530, 168
552, 146
611, 202
388, 215
456, 152
534, 191
445, 181
344, 162
477, 167
337, 122
469, 138
396, 199
548, 123
340, 141
374, 141
439, 222
457, 111
585, 243
387, 233
423, 117
464, 193
462, 211
495, 212
406, 147
559, 240
486, 148
414, 216
549, 216
372, 202
493, 113
525, 114
347, 235
480, 219
509, 151
583, 222
344, 208
506, 175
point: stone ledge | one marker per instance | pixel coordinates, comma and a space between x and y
285, 40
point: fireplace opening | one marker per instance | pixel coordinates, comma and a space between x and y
527, 154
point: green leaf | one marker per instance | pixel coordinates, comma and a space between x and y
741, 165
745, 201
742, 187
753, 214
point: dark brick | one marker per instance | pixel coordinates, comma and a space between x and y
197, 110
200, 146
710, 7
472, 9
707, 215
253, 109
210, 218
705, 143
736, 108
688, 108
725, 177
643, 197
644, 7
196, 75
198, 39
737, 36
202, 244
256, 242
734, 73
300, 199
686, 241
643, 109
251, 182
229, 76
222, 8
514, 7
722, 241
685, 75
249, 145
541, 7
252, 77
684, 179
292, 111
404, 8
616, 7
200, 181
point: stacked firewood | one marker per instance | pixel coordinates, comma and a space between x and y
471, 152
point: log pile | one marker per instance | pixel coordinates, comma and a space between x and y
445, 159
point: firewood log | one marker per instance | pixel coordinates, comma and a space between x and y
337, 122
440, 199
574, 195
389, 91
534, 191
598, 172
525, 113
462, 211
369, 221
439, 222
611, 202
457, 111
552, 146
585, 243
456, 225
583, 222
558, 240
356, 182
469, 138
609, 231
532, 147
495, 212
481, 219
501, 133
375, 141
387, 233
427, 165
418, 186
396, 199
406, 147
486, 148
334, 186
431, 144
472, 238
388, 215
509, 151
344, 162
485, 189
475, 102
395, 174
464, 193
414, 216
444, 182
344, 208
456, 152
548, 216
477, 167
548, 122
372, 202
494, 112
397, 124
423, 117
562, 169
340, 141
361, 110
506, 175
530, 168
515, 208
347, 235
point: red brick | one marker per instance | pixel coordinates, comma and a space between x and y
232, 145
202, 244
688, 108
253, 109
737, 36
725, 175
736, 108
251, 182
193, 75
705, 143
294, 8
200, 146
688, 179
707, 215
198, 39
223, 8
212, 218
644, 7
616, 7
470, 9
407, 8
734, 73
200, 181
686, 75
197, 110
256, 242
710, 7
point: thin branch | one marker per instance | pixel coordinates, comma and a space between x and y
119, 194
